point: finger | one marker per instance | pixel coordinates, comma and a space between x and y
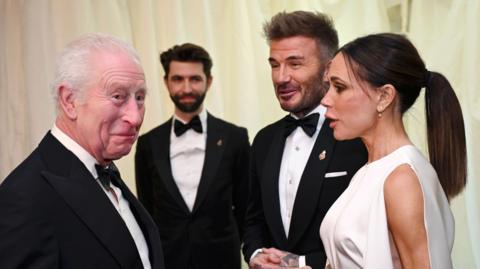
262, 260
272, 258
274, 251
266, 266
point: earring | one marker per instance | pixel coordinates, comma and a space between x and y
379, 110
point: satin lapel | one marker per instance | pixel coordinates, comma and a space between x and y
161, 153
146, 223
74, 183
269, 187
216, 143
308, 192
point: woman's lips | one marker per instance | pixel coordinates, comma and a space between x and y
333, 121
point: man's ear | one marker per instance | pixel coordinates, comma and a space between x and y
387, 94
66, 100
209, 82
325, 73
165, 81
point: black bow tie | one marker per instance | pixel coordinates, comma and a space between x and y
179, 128
107, 174
308, 124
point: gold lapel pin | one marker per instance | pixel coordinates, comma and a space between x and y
219, 142
322, 155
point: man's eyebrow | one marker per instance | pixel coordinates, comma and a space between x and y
295, 57
289, 58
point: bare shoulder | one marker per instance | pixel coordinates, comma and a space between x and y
401, 181
403, 196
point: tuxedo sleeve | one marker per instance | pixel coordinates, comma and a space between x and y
240, 174
143, 177
256, 233
26, 238
316, 260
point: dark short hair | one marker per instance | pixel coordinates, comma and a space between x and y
388, 58
314, 25
187, 52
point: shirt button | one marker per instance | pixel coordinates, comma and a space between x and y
297, 148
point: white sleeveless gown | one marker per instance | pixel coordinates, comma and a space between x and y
354, 230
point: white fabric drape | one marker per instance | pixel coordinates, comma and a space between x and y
32, 33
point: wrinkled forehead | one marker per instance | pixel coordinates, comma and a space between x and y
104, 63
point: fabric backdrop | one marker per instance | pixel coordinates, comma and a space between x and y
32, 33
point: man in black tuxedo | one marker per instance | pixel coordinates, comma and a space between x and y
192, 171
296, 173
65, 206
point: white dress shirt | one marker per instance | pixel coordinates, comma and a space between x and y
122, 205
297, 150
296, 153
187, 154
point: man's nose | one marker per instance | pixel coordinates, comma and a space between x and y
187, 86
134, 112
282, 75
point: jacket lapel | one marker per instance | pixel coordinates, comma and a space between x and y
216, 142
74, 183
161, 154
147, 225
311, 182
269, 187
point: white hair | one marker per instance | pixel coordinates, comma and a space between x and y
74, 64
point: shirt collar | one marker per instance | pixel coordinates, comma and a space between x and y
86, 158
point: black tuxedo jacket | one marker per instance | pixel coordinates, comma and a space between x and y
315, 194
53, 214
209, 236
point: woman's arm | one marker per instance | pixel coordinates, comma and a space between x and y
405, 215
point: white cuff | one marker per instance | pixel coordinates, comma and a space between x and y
301, 261
259, 250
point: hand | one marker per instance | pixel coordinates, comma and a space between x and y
264, 261
287, 259
273, 258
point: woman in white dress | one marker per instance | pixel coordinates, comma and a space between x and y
395, 212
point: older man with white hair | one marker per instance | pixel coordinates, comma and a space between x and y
66, 206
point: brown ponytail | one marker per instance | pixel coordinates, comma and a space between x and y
446, 134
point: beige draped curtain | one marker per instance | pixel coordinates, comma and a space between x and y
33, 32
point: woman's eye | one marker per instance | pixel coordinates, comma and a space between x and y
338, 87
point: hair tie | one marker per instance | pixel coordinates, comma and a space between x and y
426, 78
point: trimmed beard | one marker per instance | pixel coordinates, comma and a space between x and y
316, 88
188, 108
